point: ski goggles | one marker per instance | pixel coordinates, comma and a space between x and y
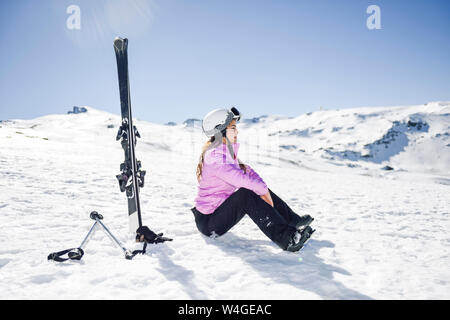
236, 114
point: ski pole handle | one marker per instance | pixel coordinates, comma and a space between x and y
95, 215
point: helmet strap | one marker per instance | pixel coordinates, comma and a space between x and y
230, 148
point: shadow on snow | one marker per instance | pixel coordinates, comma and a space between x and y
311, 274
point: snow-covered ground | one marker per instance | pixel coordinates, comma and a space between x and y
381, 234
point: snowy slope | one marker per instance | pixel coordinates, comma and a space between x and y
381, 234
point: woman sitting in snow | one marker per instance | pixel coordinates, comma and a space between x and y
229, 189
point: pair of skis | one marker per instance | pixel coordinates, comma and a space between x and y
131, 178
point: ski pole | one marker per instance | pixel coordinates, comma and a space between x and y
97, 217
87, 236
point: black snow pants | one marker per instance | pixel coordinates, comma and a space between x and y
277, 222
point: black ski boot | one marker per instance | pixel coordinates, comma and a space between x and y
303, 221
299, 238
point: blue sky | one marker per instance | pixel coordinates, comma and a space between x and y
187, 57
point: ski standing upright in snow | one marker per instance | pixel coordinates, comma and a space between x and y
131, 178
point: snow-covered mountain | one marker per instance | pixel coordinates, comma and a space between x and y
376, 180
413, 138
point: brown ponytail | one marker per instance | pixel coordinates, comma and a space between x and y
200, 163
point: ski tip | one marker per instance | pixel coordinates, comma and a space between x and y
120, 44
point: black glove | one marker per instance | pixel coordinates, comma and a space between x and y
144, 234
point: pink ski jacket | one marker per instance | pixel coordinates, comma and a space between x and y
221, 176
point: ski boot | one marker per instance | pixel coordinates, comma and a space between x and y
299, 239
303, 222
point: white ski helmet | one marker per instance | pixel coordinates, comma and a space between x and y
217, 120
